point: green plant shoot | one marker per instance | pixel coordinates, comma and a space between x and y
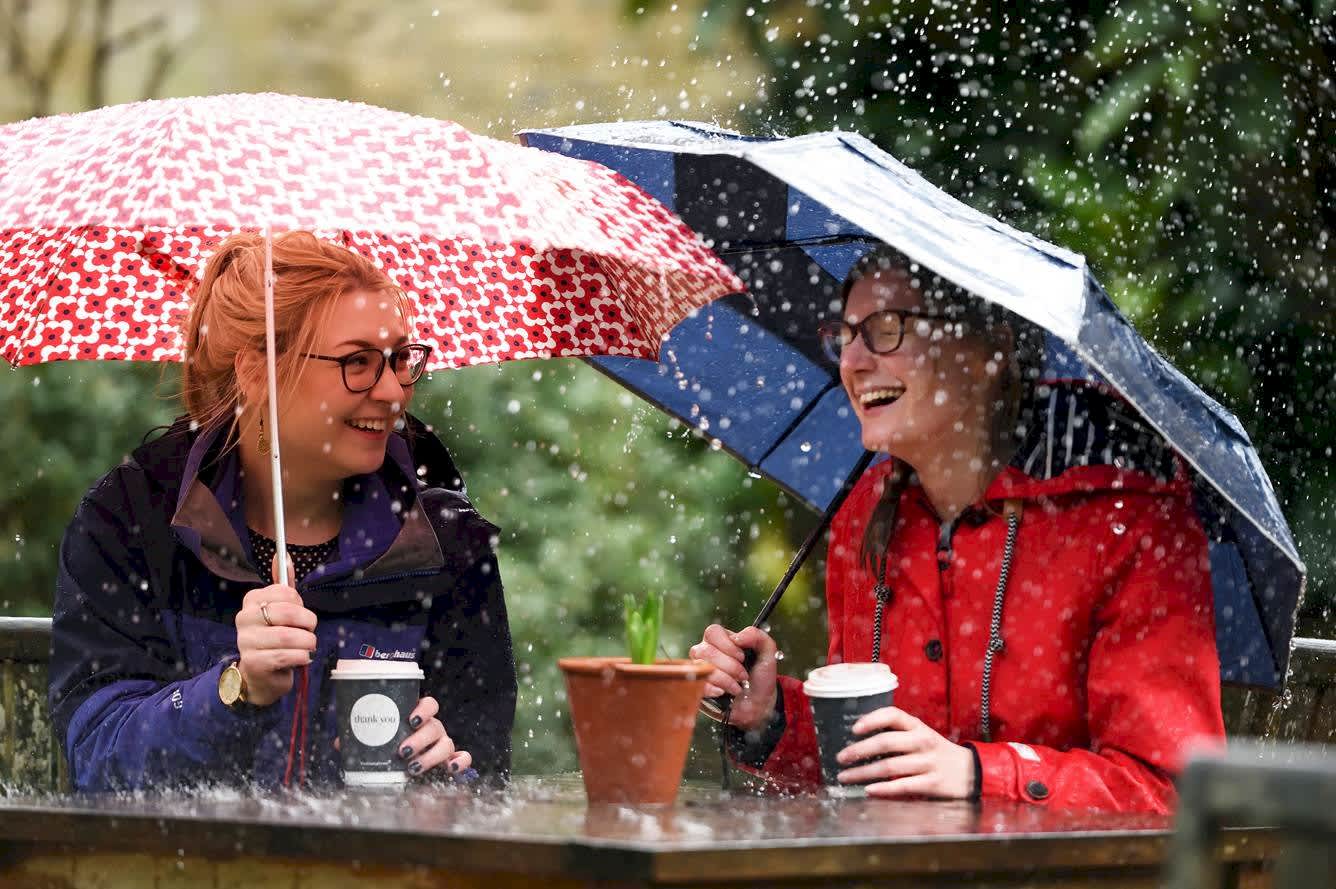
642, 626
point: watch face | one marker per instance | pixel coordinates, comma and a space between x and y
229, 685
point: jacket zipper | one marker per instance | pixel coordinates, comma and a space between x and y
390, 578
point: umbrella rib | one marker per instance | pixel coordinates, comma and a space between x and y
821, 241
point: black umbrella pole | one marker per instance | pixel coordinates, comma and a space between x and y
810, 543
717, 708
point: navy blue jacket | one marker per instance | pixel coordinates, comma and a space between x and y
153, 569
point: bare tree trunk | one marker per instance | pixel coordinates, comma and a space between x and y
107, 45
164, 58
36, 75
97, 64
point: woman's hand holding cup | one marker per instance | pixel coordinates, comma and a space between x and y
275, 633
429, 746
754, 693
900, 755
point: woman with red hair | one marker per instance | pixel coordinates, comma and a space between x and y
176, 657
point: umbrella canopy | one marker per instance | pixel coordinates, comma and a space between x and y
792, 216
107, 217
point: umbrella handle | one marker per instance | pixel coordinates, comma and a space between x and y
275, 459
717, 708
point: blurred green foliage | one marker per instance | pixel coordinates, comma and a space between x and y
1188, 149
1185, 147
64, 425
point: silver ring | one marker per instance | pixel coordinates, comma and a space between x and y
264, 613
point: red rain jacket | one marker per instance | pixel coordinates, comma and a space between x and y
1109, 671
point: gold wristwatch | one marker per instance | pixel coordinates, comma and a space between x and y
232, 685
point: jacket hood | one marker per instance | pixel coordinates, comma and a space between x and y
1083, 439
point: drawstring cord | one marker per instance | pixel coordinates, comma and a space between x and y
995, 643
297, 738
305, 721
883, 594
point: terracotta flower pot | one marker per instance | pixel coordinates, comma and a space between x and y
633, 725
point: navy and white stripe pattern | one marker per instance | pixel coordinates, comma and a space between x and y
1071, 426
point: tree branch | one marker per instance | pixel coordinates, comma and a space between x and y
60, 46
21, 62
98, 64
137, 32
16, 42
164, 58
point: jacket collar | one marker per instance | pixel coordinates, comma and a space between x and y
376, 540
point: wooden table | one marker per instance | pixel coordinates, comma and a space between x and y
541, 832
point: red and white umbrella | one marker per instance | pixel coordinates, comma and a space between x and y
107, 219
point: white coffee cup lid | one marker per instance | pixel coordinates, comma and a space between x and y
365, 668
849, 680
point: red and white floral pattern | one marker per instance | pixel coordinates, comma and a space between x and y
107, 219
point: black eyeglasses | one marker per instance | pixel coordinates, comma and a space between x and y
882, 332
362, 369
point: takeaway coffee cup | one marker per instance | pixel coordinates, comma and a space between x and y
374, 701
839, 694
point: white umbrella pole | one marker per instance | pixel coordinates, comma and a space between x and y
276, 460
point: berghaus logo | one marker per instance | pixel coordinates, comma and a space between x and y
371, 651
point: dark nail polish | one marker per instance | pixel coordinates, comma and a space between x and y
415, 768
310, 657
454, 767
415, 722
406, 751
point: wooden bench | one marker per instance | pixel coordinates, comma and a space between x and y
31, 758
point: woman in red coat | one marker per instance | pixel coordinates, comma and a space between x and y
1041, 590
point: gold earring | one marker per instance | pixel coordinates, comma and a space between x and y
262, 441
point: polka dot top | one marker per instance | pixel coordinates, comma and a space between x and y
302, 559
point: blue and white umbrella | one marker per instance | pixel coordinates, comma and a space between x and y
792, 216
